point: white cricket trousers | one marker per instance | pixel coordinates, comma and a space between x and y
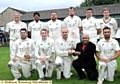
65, 63
24, 66
49, 66
107, 70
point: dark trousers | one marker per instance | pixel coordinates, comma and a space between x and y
90, 69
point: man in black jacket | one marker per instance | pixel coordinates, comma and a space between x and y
85, 51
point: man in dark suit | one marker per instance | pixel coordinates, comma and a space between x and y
85, 51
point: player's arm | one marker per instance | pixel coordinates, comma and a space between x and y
7, 30
29, 31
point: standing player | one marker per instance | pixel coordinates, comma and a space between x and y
44, 52
34, 29
21, 52
73, 23
90, 26
14, 29
64, 47
108, 21
54, 26
109, 51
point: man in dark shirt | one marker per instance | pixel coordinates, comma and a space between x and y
85, 51
1, 36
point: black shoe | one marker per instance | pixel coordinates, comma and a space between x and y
33, 71
44, 71
81, 78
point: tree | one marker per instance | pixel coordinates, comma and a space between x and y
97, 2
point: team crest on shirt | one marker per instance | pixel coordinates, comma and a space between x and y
112, 44
40, 24
12, 25
68, 20
33, 25
19, 43
61, 43
75, 20
56, 23
90, 22
27, 43
48, 43
21, 25
111, 24
41, 44
49, 24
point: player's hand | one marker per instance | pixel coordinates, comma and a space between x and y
41, 59
27, 56
69, 52
14, 59
77, 53
45, 58
106, 60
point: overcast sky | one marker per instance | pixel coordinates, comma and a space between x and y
34, 5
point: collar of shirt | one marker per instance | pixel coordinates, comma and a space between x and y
71, 17
24, 40
107, 41
15, 22
89, 18
36, 22
107, 19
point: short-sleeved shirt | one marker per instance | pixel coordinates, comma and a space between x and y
73, 24
44, 47
107, 48
35, 28
14, 29
54, 28
90, 27
22, 47
111, 23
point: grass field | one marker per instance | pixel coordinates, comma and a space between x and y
5, 73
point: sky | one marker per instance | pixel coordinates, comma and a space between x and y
36, 5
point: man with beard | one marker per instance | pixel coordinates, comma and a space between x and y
91, 26
85, 51
34, 29
109, 51
73, 23
21, 53
54, 26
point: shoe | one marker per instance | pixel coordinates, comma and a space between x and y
99, 81
71, 74
41, 79
58, 79
81, 78
33, 71
17, 79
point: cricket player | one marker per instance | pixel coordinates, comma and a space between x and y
91, 26
73, 23
108, 21
109, 51
64, 48
44, 53
21, 53
34, 29
13, 29
54, 26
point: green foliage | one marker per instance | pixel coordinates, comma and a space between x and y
97, 2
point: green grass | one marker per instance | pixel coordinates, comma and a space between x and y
5, 73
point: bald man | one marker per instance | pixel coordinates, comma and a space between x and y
64, 47
85, 51
13, 29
